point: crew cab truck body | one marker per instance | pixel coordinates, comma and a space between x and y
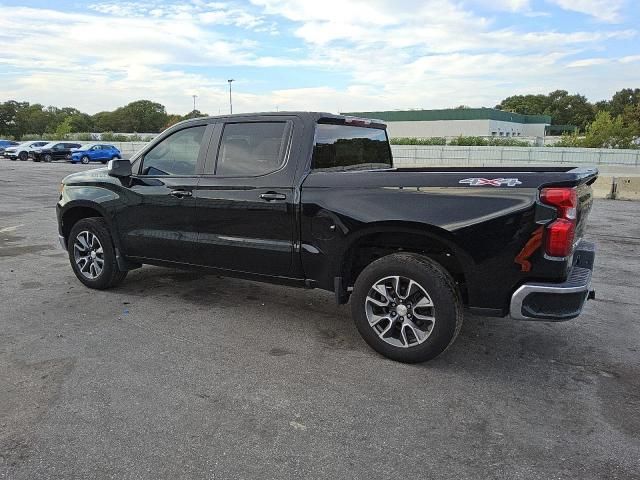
313, 200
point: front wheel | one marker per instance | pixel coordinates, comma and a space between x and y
407, 307
23, 156
92, 254
48, 158
85, 159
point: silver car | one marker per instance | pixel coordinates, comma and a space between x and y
22, 150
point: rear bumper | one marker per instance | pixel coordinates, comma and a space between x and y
556, 302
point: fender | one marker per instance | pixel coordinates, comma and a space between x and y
83, 196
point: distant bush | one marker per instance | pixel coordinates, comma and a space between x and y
418, 141
508, 142
61, 134
462, 141
118, 137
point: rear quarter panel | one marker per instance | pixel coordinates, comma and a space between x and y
485, 226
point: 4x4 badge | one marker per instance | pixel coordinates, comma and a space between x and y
492, 182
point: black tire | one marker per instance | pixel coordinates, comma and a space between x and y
23, 156
445, 295
47, 157
85, 159
111, 275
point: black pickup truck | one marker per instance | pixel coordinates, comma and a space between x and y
313, 200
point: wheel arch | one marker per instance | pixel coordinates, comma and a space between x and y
385, 238
77, 210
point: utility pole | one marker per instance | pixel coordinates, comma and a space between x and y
194, 102
230, 101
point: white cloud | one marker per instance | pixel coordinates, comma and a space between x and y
405, 54
603, 10
588, 62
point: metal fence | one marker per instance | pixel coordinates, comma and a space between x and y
128, 148
436, 155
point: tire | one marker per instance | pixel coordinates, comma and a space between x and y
110, 275
23, 156
85, 159
48, 158
413, 340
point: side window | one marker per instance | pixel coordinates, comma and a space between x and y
251, 149
343, 147
176, 154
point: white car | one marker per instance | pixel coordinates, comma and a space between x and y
22, 150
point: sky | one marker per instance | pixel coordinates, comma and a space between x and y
327, 55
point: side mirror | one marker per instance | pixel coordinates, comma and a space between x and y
119, 168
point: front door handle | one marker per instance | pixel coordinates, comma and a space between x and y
269, 196
181, 193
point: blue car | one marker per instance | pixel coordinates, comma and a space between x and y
95, 152
5, 144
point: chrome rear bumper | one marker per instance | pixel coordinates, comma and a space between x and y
557, 301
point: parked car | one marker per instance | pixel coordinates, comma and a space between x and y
53, 151
95, 152
313, 200
6, 143
21, 151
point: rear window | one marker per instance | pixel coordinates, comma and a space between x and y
344, 147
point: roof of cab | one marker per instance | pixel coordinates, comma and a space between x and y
309, 116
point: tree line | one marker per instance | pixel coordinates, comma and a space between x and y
18, 119
608, 123
613, 123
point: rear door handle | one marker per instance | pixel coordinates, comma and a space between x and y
181, 193
269, 196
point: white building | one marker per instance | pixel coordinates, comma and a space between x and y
477, 122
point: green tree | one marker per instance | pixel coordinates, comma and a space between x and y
103, 122
525, 104
63, 129
566, 109
627, 97
608, 132
32, 119
141, 116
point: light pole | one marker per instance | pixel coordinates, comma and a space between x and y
194, 102
230, 102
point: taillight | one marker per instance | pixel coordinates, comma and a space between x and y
560, 233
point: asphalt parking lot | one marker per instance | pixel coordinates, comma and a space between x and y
179, 375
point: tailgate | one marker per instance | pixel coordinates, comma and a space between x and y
585, 202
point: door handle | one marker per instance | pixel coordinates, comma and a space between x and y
181, 193
270, 196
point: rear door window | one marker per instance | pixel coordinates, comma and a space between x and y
252, 149
345, 147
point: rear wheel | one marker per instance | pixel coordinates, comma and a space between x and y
407, 307
85, 159
92, 254
23, 156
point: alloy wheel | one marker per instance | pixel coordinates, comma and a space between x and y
88, 255
400, 311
